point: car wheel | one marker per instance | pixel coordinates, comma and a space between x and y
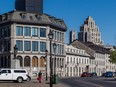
19, 79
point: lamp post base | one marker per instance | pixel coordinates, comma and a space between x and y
15, 64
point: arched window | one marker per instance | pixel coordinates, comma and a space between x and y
27, 61
34, 61
20, 60
42, 61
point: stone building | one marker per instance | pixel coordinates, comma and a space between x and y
29, 5
77, 61
29, 32
99, 56
72, 36
89, 32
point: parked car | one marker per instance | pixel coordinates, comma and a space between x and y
109, 74
114, 75
103, 74
93, 74
85, 74
16, 75
29, 78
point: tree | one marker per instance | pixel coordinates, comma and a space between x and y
113, 57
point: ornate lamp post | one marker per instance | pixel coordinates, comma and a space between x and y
46, 64
50, 35
15, 51
55, 77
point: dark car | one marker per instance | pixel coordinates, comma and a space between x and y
29, 78
109, 74
93, 74
103, 74
85, 74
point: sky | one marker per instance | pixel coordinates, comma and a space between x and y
74, 13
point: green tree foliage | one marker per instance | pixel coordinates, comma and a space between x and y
113, 57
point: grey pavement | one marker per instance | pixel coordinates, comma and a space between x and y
33, 83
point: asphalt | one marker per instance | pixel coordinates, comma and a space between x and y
45, 83
33, 83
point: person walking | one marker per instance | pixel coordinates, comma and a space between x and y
40, 77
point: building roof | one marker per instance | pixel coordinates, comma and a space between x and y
90, 48
97, 48
32, 19
71, 50
87, 49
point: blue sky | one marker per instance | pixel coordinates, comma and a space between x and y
74, 12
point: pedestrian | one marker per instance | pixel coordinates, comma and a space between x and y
39, 77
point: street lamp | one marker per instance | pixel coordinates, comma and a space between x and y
15, 51
55, 77
50, 35
46, 64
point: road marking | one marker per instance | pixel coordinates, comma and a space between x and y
89, 83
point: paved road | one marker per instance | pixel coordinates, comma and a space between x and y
89, 82
32, 83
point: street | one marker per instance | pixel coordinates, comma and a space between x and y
66, 82
89, 82
32, 83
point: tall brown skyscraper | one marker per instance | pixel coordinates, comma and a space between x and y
29, 5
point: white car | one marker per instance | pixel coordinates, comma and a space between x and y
18, 75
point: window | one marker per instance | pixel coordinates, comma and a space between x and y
34, 45
8, 31
23, 16
19, 44
31, 18
19, 71
27, 31
39, 18
35, 32
2, 31
42, 32
27, 61
35, 61
3, 71
19, 31
62, 37
27, 46
55, 35
5, 32
42, 46
62, 49
58, 35
8, 71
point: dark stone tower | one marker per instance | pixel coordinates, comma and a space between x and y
29, 5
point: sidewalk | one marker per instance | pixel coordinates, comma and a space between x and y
46, 83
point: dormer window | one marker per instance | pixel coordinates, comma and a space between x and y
23, 17
31, 18
4, 17
39, 18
